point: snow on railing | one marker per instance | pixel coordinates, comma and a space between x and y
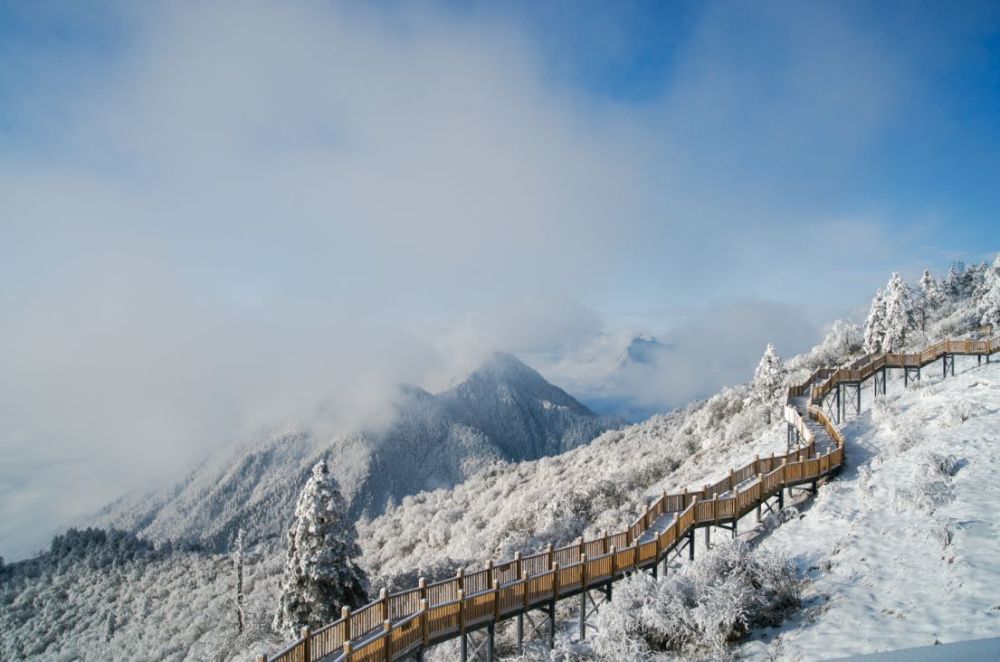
398, 624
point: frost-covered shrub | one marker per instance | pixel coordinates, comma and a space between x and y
702, 609
929, 484
959, 412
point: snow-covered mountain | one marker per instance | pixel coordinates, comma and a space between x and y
643, 349
502, 411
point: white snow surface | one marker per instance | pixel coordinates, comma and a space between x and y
902, 550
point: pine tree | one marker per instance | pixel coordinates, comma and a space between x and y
989, 299
321, 575
953, 285
929, 299
875, 325
110, 626
768, 380
898, 314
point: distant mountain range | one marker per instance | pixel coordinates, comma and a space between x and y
502, 411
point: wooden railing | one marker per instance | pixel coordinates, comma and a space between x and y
397, 624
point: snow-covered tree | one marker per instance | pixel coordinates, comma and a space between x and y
238, 567
321, 574
898, 314
842, 340
875, 324
953, 284
989, 298
928, 300
768, 380
110, 625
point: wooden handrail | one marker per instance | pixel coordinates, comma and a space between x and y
397, 624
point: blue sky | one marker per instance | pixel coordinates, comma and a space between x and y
222, 216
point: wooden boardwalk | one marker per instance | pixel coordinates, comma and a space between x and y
405, 624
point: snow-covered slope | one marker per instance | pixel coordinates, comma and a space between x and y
502, 411
600, 486
903, 550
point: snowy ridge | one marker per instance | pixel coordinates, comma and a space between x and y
436, 612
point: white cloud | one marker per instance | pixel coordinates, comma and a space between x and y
246, 213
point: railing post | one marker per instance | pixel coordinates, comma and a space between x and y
425, 633
383, 596
306, 644
614, 562
262, 658
387, 635
496, 601
555, 581
347, 651
604, 545
460, 576
548, 551
461, 612
422, 585
760, 493
517, 564
489, 572
524, 581
345, 614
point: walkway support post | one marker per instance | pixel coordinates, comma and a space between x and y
583, 597
552, 625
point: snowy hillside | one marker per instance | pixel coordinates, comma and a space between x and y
502, 411
897, 551
600, 486
903, 550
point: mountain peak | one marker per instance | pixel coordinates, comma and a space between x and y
505, 366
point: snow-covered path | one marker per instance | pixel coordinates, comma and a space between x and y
904, 548
661, 524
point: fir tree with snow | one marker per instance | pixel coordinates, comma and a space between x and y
989, 298
929, 298
898, 314
953, 284
321, 575
768, 380
875, 324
